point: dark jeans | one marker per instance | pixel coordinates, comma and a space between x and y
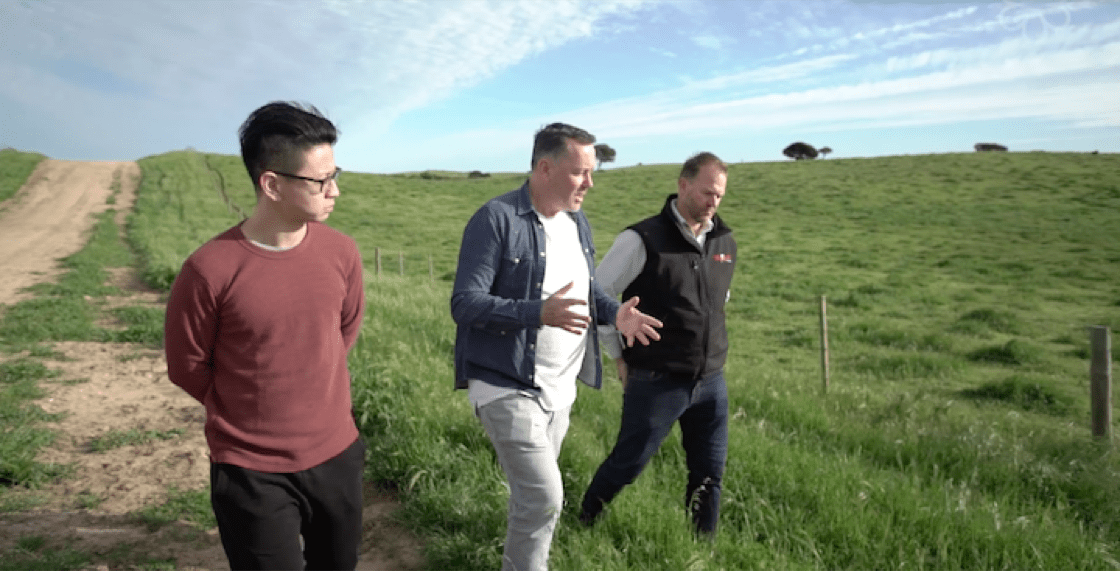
261, 515
652, 403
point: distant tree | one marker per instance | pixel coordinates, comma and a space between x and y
800, 151
604, 154
478, 174
824, 151
981, 147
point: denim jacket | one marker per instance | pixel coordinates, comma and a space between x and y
496, 302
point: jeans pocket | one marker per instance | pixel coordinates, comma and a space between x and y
645, 376
515, 419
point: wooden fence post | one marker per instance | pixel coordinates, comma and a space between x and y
1100, 382
377, 265
824, 344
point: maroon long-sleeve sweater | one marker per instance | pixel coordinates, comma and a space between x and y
260, 338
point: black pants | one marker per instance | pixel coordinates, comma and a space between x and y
653, 401
262, 515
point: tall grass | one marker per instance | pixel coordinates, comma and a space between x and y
15, 167
955, 433
21, 436
179, 206
186, 197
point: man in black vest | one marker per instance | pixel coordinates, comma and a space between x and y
679, 263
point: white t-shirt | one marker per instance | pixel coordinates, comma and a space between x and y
559, 354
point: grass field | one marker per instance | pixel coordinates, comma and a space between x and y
955, 434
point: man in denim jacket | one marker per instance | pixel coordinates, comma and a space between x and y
523, 334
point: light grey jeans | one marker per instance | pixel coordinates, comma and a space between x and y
527, 439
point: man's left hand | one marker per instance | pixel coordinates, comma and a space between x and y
633, 324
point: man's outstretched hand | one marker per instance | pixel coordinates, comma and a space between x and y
633, 324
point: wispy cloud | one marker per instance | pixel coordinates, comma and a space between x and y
712, 41
773, 74
433, 48
368, 62
1061, 77
945, 20
411, 54
1018, 87
1017, 48
120, 78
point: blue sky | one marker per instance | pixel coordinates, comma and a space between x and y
463, 84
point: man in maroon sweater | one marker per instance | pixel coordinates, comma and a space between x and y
259, 322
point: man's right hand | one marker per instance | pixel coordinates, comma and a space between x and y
555, 312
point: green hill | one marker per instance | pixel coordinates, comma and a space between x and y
15, 167
955, 434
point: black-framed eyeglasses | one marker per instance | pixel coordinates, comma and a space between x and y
322, 181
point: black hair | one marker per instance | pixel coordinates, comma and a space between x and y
277, 134
552, 140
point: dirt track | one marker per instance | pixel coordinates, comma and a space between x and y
120, 387
49, 218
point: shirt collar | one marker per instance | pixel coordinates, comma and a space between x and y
708, 224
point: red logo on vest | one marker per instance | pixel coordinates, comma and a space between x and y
722, 257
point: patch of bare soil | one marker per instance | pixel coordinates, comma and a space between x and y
107, 388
